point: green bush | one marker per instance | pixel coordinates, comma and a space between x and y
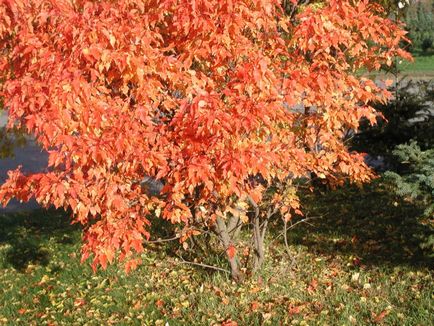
416, 184
420, 24
426, 44
416, 181
406, 118
404, 138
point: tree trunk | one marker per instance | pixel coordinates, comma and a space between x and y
226, 240
234, 227
259, 232
258, 243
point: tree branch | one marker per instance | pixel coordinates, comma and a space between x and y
163, 240
305, 220
183, 261
254, 204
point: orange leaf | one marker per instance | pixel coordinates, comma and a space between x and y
231, 251
159, 303
312, 286
378, 318
254, 306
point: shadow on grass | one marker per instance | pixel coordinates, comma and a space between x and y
370, 226
25, 234
367, 226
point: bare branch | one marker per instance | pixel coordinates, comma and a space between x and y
163, 240
305, 220
183, 261
285, 237
254, 204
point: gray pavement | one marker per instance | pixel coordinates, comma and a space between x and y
32, 159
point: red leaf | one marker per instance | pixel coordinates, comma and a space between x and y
378, 318
79, 302
312, 286
22, 311
159, 303
294, 309
254, 306
231, 251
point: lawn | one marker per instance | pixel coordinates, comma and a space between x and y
421, 67
357, 263
423, 64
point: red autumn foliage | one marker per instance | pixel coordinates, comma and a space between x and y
207, 96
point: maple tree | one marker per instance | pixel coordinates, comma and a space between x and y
224, 102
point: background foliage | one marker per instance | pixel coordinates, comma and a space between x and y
419, 19
403, 140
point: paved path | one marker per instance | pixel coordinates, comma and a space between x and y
31, 158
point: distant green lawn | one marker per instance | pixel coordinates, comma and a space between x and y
421, 67
360, 264
423, 63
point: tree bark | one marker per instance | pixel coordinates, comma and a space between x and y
258, 237
258, 242
234, 227
259, 233
226, 240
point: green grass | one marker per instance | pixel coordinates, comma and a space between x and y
359, 264
421, 67
423, 64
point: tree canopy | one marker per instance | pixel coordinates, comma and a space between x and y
218, 100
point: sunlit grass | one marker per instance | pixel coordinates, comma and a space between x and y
423, 63
359, 264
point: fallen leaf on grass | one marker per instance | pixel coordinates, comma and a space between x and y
294, 310
254, 306
44, 280
137, 305
355, 277
79, 302
218, 291
255, 289
312, 286
378, 318
159, 303
352, 320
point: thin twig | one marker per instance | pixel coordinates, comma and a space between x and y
264, 230
254, 204
270, 214
234, 228
305, 220
183, 261
202, 232
163, 240
285, 239
239, 223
